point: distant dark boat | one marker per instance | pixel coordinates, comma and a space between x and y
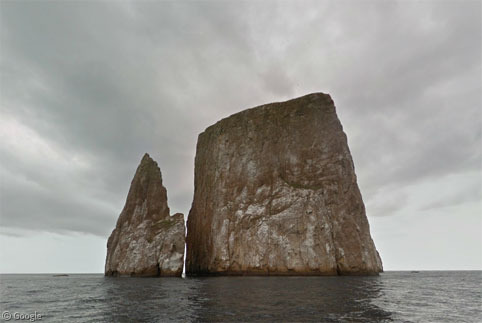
60, 275
414, 272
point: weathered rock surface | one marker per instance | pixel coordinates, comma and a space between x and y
146, 240
276, 194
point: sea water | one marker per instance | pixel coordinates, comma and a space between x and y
425, 296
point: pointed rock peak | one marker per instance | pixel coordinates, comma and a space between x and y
146, 159
147, 191
148, 165
146, 240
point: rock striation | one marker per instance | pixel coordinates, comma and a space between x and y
276, 194
146, 241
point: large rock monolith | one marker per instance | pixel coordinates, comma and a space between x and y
276, 194
146, 241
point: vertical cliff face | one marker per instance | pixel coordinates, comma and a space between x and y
146, 240
276, 193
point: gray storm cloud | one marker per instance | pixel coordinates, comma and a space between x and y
88, 87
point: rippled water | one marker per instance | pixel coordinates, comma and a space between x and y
392, 296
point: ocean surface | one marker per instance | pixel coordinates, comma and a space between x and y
426, 296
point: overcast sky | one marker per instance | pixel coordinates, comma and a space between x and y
88, 87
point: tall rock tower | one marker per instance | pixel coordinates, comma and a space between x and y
146, 240
276, 194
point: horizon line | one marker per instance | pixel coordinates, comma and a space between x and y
101, 273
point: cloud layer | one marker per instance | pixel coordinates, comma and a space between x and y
88, 87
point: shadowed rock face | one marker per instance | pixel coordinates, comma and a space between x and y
146, 240
276, 194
